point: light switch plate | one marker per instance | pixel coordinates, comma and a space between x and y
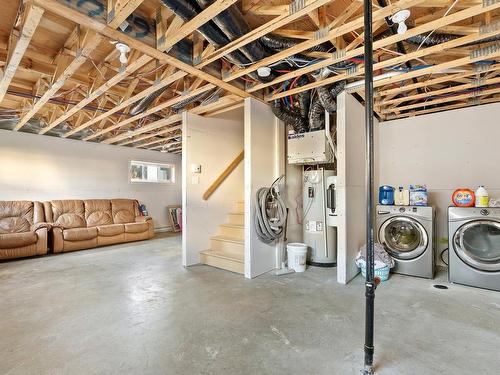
195, 168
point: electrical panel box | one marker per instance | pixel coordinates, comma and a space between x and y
309, 148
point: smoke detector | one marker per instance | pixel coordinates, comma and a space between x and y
400, 18
264, 71
123, 49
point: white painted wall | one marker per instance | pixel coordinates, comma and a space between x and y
35, 167
444, 151
264, 162
351, 164
293, 200
212, 142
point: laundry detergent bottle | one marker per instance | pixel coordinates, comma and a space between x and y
482, 197
386, 195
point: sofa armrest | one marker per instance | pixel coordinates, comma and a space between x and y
42, 225
42, 233
57, 239
149, 221
143, 219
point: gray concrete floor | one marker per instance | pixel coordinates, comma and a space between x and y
132, 309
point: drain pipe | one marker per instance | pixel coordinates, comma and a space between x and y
370, 284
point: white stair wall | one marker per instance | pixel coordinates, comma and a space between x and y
211, 143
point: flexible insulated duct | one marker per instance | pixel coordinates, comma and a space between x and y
328, 95
304, 97
280, 43
289, 117
233, 25
435, 39
179, 106
215, 36
316, 116
277, 43
146, 102
187, 12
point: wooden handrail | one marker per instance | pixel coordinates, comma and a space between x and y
218, 181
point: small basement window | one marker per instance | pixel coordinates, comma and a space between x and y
141, 171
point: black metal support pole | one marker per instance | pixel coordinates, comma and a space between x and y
370, 280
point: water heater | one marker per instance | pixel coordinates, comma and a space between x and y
317, 200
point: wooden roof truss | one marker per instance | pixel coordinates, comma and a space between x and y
61, 74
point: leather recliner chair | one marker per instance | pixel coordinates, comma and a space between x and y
23, 230
84, 224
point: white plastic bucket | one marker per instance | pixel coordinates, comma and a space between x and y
297, 256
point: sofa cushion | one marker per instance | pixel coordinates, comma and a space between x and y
136, 227
11, 240
97, 212
79, 234
68, 213
124, 210
16, 216
110, 230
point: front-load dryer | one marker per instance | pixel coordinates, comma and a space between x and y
407, 233
474, 246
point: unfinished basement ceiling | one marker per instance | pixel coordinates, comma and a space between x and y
62, 75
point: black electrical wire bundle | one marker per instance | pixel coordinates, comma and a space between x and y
270, 212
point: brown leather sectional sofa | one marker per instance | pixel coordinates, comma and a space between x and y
72, 225
23, 231
83, 224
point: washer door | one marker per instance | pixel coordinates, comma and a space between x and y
403, 237
477, 243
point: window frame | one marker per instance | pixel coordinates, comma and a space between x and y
149, 163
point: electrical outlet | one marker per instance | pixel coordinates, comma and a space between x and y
319, 226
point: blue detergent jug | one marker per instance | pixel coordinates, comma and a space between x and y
386, 195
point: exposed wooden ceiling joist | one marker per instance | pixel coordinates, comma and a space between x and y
331, 34
340, 57
19, 42
89, 42
63, 11
78, 82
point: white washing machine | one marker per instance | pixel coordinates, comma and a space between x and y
407, 233
474, 246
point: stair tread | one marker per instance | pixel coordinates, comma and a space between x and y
221, 237
240, 258
229, 225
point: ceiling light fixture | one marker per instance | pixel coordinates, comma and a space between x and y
264, 71
123, 49
400, 18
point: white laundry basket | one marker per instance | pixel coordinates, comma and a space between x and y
297, 256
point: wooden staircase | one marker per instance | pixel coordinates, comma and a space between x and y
227, 249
